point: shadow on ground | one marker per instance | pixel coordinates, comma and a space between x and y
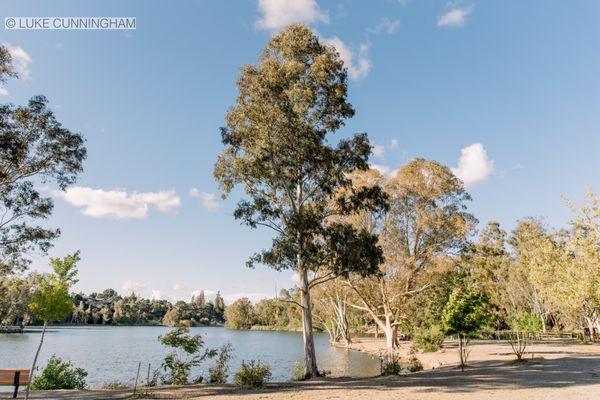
484, 375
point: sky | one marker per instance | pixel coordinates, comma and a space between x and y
506, 93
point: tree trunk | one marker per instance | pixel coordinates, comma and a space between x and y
390, 337
591, 328
461, 352
310, 364
37, 353
542, 317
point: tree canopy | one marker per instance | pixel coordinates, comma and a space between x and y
34, 148
276, 148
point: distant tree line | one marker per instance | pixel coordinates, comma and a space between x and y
110, 308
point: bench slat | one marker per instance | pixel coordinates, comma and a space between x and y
7, 376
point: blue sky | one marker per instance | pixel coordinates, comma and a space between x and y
512, 87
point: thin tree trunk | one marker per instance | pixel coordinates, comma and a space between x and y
591, 328
311, 370
460, 350
37, 353
543, 323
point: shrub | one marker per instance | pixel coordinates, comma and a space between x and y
252, 374
187, 352
464, 314
414, 364
59, 374
525, 322
391, 365
429, 340
298, 371
219, 372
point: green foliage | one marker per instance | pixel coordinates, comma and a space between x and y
51, 301
414, 364
525, 322
59, 374
252, 374
276, 148
186, 353
428, 339
465, 313
275, 314
240, 314
35, 148
7, 69
15, 297
219, 372
391, 365
298, 371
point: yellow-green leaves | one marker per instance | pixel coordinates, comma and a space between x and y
51, 301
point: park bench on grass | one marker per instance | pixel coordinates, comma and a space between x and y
14, 377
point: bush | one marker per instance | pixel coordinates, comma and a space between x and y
429, 340
391, 365
414, 364
59, 374
298, 371
252, 374
187, 352
219, 372
525, 322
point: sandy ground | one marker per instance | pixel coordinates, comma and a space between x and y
558, 370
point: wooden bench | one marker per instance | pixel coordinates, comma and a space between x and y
14, 377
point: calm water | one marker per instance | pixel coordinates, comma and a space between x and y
112, 353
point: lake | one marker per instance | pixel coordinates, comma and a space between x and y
112, 353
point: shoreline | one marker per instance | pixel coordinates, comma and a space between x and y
481, 351
555, 369
560, 370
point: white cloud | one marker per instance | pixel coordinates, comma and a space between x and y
20, 60
3, 92
277, 14
178, 286
208, 200
254, 297
385, 25
119, 204
359, 65
155, 295
455, 17
474, 165
295, 278
130, 286
378, 150
384, 170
